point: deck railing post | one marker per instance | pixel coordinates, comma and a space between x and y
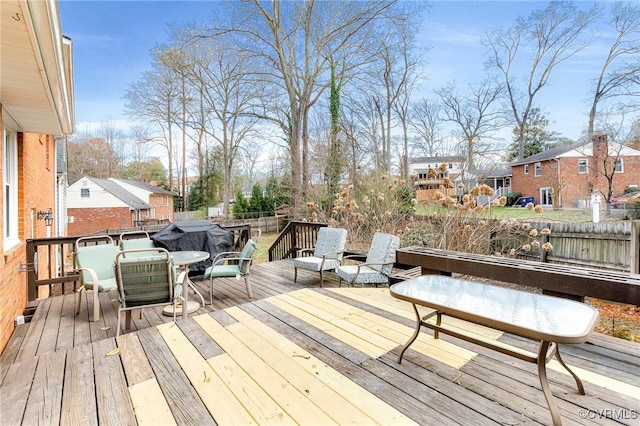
31, 270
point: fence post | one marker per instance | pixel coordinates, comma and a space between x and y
634, 262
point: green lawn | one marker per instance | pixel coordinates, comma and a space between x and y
262, 253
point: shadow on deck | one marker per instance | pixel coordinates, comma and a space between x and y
295, 353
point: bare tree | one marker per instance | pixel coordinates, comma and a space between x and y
139, 143
296, 40
475, 114
425, 120
550, 37
226, 92
620, 72
400, 61
176, 62
617, 132
115, 141
152, 100
91, 156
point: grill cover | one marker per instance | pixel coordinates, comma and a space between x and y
198, 235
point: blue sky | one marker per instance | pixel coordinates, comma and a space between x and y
112, 41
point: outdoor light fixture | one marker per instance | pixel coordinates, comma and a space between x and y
47, 216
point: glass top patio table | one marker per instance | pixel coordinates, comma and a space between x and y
531, 315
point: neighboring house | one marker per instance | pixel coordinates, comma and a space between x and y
94, 205
499, 179
575, 172
426, 185
36, 99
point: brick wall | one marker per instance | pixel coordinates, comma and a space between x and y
529, 184
574, 185
578, 186
163, 206
36, 191
89, 221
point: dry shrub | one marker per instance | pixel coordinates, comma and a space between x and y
467, 227
382, 204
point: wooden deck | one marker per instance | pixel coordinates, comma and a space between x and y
296, 353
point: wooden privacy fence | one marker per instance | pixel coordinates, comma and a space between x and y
606, 245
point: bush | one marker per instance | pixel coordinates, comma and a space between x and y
632, 209
512, 197
470, 228
381, 204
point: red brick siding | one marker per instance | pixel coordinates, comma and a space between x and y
529, 184
89, 221
574, 185
36, 191
163, 204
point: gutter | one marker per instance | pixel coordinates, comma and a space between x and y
43, 21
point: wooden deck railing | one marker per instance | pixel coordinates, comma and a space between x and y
297, 235
50, 260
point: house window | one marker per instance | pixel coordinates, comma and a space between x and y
538, 169
84, 193
526, 169
583, 165
619, 167
10, 187
450, 165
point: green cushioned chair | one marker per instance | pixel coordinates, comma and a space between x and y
146, 279
94, 257
221, 268
141, 241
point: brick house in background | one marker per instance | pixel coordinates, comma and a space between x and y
37, 112
94, 205
575, 172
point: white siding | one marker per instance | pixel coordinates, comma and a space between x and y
98, 197
143, 194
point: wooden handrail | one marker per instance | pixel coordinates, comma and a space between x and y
296, 236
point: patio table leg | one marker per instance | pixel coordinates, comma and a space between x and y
566, 367
542, 374
419, 322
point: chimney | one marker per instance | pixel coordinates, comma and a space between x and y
600, 151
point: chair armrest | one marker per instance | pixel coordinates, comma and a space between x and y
222, 256
331, 252
306, 250
374, 263
351, 256
235, 258
94, 277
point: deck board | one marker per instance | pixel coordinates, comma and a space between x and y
78, 399
295, 353
185, 404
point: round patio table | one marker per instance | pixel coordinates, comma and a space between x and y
182, 259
